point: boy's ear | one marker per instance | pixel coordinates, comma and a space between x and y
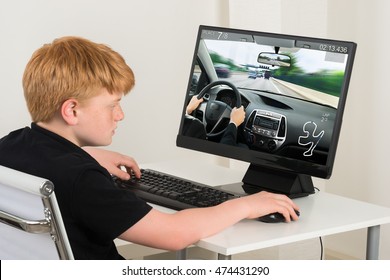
69, 111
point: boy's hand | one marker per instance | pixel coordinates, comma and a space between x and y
114, 162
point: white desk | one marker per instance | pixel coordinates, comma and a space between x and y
321, 214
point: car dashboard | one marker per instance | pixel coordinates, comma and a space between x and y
275, 123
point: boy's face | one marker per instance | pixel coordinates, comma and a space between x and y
98, 118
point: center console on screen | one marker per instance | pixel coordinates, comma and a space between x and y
293, 90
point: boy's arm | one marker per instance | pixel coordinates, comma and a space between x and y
183, 228
113, 161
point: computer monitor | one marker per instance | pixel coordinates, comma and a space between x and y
293, 90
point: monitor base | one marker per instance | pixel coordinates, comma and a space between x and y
293, 185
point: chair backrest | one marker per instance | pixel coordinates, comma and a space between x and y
31, 225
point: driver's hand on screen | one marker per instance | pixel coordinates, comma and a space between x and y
194, 103
237, 116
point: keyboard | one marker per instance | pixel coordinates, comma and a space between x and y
173, 192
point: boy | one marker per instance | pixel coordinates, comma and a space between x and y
73, 88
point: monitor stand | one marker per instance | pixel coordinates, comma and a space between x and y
258, 178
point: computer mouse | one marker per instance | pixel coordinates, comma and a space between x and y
274, 217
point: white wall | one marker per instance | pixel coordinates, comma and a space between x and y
362, 164
157, 38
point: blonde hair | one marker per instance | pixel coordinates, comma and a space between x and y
72, 67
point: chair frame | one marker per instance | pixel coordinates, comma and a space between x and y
52, 223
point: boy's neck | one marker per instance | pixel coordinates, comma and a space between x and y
60, 128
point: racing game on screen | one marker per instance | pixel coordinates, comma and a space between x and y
289, 89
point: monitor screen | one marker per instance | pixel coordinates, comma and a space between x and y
292, 90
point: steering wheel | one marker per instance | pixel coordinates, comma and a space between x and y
216, 110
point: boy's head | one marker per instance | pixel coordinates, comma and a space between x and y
72, 67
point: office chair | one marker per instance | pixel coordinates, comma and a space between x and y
31, 225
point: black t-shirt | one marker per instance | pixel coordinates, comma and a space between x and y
95, 211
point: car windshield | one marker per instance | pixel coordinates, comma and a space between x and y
310, 75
